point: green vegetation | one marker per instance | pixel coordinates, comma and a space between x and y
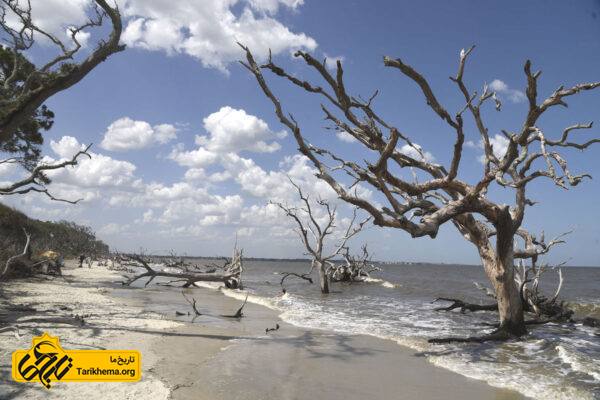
64, 237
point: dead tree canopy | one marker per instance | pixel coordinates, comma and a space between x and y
19, 102
437, 195
230, 274
315, 235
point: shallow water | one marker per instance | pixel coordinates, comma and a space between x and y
552, 363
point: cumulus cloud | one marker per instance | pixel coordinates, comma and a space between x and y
95, 172
499, 145
272, 6
209, 30
126, 134
514, 95
331, 62
234, 130
411, 151
197, 159
345, 137
230, 131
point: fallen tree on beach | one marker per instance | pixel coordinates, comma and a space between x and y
437, 195
315, 235
230, 273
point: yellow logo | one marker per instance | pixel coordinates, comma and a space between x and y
46, 362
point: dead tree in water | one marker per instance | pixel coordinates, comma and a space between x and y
438, 196
527, 279
315, 242
354, 268
230, 274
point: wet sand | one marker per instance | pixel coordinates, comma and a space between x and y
213, 357
223, 359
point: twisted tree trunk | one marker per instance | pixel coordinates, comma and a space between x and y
499, 267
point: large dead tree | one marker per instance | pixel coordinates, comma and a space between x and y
421, 207
18, 103
315, 234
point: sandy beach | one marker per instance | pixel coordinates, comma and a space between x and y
213, 357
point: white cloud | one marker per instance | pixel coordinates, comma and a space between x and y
82, 36
234, 130
272, 6
345, 137
499, 147
197, 159
331, 62
95, 172
411, 151
112, 229
127, 134
230, 131
514, 95
209, 30
56, 17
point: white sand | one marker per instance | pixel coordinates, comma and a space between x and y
110, 322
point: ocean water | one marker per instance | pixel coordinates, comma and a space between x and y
552, 362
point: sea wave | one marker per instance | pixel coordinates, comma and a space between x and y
579, 362
512, 373
411, 322
585, 309
384, 283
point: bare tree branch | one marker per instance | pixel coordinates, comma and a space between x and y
56, 75
34, 182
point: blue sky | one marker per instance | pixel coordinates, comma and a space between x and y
178, 79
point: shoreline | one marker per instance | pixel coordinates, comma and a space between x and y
215, 357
